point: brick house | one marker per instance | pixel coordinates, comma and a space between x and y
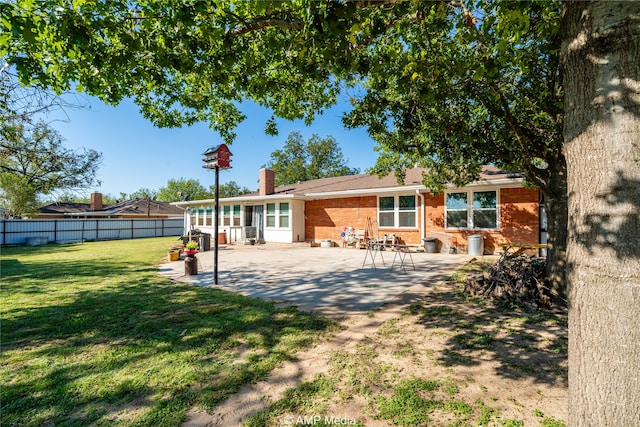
497, 206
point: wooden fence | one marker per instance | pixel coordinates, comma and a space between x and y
18, 231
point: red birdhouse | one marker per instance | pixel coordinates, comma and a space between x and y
219, 156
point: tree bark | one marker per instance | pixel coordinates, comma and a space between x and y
601, 58
555, 203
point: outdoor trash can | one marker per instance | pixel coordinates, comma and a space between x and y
430, 245
205, 242
475, 245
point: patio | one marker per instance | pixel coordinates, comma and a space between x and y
332, 281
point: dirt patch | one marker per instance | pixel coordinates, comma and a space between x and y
431, 357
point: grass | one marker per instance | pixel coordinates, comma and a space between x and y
399, 376
92, 334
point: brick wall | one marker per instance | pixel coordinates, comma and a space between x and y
325, 219
519, 220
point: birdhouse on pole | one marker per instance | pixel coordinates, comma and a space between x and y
219, 156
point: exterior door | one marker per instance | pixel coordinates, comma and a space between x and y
257, 220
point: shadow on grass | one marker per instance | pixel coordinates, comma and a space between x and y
85, 342
525, 344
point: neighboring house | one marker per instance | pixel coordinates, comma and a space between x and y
135, 208
497, 206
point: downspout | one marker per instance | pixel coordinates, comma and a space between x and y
423, 230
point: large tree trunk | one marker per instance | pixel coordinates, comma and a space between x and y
601, 56
555, 203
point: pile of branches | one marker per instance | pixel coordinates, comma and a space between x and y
520, 279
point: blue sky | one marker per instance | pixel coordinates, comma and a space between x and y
138, 155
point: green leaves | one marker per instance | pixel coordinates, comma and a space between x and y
302, 161
434, 84
33, 159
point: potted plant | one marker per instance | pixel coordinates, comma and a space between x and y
191, 248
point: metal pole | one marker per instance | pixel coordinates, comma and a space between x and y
215, 237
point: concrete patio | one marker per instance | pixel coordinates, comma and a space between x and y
331, 281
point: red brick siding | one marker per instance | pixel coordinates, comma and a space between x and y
325, 219
519, 220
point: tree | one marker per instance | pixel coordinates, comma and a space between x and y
144, 193
229, 189
436, 83
24, 103
299, 161
601, 52
183, 189
34, 157
195, 61
17, 195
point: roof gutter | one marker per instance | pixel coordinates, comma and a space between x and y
364, 192
238, 199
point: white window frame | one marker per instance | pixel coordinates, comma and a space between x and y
282, 215
470, 210
396, 211
278, 215
231, 219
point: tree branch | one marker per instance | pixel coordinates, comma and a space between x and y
266, 22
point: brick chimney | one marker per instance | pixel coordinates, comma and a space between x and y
267, 182
96, 201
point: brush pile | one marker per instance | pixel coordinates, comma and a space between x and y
514, 278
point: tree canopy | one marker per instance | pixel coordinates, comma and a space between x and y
302, 161
446, 85
34, 161
440, 84
183, 189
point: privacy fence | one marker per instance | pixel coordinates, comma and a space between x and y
23, 231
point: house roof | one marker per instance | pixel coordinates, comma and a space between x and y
127, 207
412, 179
139, 206
62, 208
342, 186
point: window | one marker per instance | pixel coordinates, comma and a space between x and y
277, 217
283, 218
236, 215
271, 215
209, 215
226, 215
471, 210
230, 215
200, 216
407, 213
397, 211
485, 209
385, 212
456, 208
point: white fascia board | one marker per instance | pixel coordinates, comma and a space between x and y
364, 192
239, 199
490, 183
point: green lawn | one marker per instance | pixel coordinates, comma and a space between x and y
91, 333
